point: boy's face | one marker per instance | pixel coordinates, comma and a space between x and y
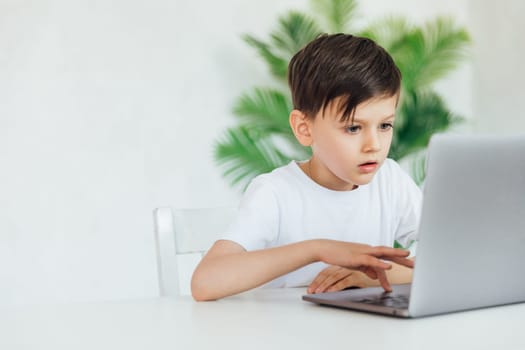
348, 154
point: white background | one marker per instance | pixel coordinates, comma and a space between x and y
110, 108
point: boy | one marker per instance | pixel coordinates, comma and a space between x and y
296, 224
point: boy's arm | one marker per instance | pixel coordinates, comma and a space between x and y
228, 269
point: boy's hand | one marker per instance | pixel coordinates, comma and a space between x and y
335, 278
364, 258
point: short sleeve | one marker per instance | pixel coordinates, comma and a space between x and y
257, 221
409, 209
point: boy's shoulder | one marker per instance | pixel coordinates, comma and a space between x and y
281, 176
390, 172
390, 168
274, 187
395, 181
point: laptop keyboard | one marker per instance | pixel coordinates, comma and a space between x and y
396, 301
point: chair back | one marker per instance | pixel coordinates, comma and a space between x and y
182, 237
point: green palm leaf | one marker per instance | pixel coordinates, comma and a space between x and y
387, 32
244, 153
418, 167
336, 15
266, 109
446, 46
294, 32
278, 65
423, 113
426, 54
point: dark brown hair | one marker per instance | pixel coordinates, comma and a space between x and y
341, 65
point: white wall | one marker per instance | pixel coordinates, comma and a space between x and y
109, 109
499, 75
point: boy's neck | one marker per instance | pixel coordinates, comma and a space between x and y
310, 171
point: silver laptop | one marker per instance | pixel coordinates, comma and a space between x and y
471, 248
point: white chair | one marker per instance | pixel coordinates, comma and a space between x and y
182, 237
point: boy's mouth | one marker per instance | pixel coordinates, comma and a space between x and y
370, 162
368, 167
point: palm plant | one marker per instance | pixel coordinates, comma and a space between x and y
263, 140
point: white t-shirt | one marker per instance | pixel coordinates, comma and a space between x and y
286, 206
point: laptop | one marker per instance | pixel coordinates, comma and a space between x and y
471, 244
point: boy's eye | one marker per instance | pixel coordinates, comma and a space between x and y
386, 126
353, 129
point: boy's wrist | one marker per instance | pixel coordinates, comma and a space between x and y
317, 249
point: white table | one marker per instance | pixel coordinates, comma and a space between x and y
261, 319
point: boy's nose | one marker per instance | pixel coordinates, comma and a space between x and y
371, 143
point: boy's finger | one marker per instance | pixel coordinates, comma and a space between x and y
315, 283
320, 278
389, 252
383, 280
373, 262
337, 274
403, 261
370, 273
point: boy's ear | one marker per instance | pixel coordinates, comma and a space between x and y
301, 127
